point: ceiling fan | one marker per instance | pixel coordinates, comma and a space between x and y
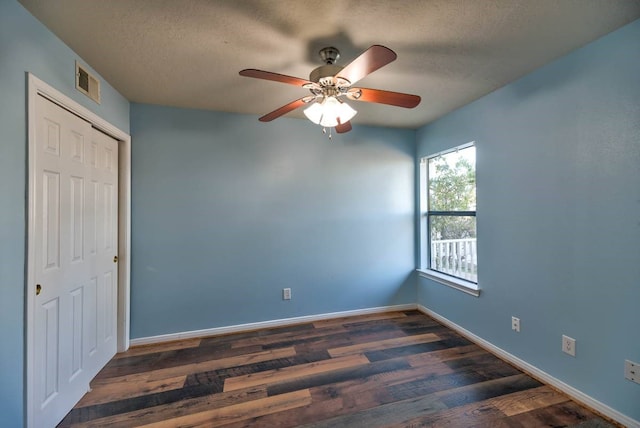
330, 82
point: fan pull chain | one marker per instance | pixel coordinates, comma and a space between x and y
324, 131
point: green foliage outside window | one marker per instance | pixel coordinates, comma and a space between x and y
452, 187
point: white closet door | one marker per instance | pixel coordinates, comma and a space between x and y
76, 197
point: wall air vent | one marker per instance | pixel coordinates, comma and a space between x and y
87, 83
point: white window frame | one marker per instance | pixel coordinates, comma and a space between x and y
424, 271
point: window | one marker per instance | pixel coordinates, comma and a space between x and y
448, 203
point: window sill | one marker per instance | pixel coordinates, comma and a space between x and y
449, 281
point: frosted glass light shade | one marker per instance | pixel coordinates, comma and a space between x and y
330, 112
345, 112
314, 113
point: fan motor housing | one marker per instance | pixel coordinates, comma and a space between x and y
323, 72
329, 55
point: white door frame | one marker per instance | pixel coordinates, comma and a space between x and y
37, 87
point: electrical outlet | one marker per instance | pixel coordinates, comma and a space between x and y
515, 324
569, 345
632, 371
286, 294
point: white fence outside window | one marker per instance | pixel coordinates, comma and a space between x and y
457, 257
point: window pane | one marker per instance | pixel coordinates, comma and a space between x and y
453, 246
452, 181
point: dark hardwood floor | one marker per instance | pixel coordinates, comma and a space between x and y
399, 369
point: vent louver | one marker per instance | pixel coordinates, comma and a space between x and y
87, 83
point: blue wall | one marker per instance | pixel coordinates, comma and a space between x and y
26, 45
227, 211
558, 172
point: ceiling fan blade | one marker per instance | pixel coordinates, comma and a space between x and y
369, 61
267, 75
343, 127
384, 97
283, 110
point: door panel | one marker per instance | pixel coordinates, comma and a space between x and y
51, 220
76, 204
77, 219
50, 351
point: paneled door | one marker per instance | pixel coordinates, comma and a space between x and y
75, 257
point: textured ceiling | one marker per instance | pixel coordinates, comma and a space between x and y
187, 53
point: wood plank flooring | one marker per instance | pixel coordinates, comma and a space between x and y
399, 369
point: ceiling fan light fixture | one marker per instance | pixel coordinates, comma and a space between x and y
330, 112
330, 82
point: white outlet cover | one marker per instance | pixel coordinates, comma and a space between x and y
569, 345
515, 324
632, 371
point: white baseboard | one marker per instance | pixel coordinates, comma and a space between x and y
266, 324
536, 372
